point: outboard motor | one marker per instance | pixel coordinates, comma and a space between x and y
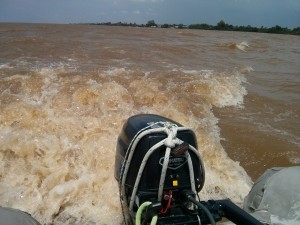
160, 173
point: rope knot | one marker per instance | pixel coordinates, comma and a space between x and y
171, 139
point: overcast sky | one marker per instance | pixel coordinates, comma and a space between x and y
285, 13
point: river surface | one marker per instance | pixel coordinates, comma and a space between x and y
66, 90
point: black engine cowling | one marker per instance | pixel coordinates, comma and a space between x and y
177, 173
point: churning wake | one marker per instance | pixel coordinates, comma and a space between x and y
59, 127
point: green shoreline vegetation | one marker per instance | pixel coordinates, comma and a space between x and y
221, 25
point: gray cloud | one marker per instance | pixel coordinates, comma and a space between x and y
237, 12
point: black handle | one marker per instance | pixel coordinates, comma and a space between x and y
236, 214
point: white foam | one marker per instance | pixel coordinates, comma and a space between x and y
58, 140
243, 46
294, 159
5, 66
225, 89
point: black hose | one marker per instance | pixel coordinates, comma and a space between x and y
200, 205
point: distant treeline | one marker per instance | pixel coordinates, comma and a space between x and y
224, 26
203, 26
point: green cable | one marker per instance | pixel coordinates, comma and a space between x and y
154, 220
139, 213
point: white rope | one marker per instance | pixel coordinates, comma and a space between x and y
130, 153
127, 161
163, 173
196, 152
170, 142
199, 220
141, 170
191, 172
126, 165
172, 133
